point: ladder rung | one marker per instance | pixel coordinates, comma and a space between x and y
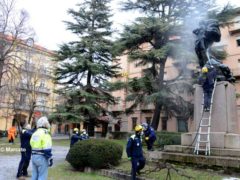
203, 141
205, 125
201, 150
203, 133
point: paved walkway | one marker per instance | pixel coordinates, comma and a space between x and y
9, 163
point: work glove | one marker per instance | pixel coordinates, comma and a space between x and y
23, 131
146, 138
50, 162
129, 158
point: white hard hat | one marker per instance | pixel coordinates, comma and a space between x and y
43, 122
28, 126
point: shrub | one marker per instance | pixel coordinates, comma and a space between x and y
3, 133
168, 138
94, 153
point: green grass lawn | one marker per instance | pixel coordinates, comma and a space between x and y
198, 174
61, 142
65, 171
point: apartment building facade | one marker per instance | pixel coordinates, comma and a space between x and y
28, 92
230, 42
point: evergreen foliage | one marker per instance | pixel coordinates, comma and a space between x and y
162, 22
85, 65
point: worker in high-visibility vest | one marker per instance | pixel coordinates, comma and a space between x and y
41, 143
12, 132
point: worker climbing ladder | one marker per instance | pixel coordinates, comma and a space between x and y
203, 133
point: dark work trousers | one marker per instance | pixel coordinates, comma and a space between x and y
150, 143
137, 165
24, 163
207, 97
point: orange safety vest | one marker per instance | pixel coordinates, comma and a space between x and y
12, 133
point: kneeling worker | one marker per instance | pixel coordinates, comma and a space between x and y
75, 137
134, 151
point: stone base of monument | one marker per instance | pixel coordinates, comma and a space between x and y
224, 132
217, 140
226, 158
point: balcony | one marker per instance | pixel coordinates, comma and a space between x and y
26, 107
45, 72
42, 109
40, 89
43, 90
31, 67
5, 105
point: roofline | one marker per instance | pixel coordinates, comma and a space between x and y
23, 42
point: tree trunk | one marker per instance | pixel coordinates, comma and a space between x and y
156, 116
31, 111
91, 126
158, 105
1, 72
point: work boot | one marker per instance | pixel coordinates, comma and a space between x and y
26, 174
138, 172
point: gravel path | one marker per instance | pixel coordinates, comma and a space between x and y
9, 163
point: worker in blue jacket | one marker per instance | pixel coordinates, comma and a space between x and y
135, 152
75, 137
26, 150
150, 136
84, 135
206, 80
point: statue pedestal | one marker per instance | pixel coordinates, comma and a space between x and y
225, 130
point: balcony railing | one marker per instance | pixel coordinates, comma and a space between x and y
30, 67
27, 108
40, 89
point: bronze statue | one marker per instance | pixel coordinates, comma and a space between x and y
208, 33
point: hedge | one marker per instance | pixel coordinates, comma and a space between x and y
94, 153
168, 138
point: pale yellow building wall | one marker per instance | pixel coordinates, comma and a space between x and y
41, 58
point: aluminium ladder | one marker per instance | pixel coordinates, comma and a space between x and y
203, 133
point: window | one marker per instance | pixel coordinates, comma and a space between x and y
134, 122
117, 126
22, 99
238, 41
109, 128
59, 128
182, 124
164, 123
148, 120
42, 83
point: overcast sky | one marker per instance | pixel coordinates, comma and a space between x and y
46, 18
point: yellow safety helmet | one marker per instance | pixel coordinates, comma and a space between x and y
204, 70
75, 129
138, 128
